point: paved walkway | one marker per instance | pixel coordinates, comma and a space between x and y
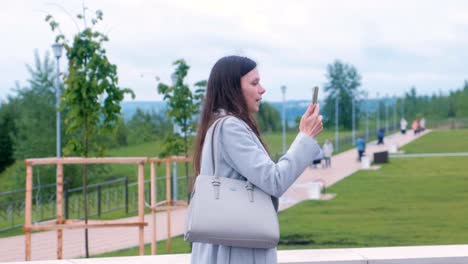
109, 239
342, 166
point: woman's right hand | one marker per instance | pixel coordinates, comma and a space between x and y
311, 121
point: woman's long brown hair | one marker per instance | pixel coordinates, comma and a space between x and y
224, 92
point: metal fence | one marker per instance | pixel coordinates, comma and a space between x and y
451, 123
103, 198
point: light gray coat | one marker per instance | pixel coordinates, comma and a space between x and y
240, 155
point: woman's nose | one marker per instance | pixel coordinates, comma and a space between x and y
262, 90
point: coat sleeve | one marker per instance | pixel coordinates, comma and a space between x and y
241, 151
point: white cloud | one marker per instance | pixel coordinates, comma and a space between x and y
393, 44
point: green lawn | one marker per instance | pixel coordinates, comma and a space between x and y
13, 177
418, 201
178, 246
440, 141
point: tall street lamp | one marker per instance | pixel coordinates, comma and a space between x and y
386, 114
378, 112
353, 120
175, 129
402, 107
336, 123
283, 90
367, 118
394, 112
57, 49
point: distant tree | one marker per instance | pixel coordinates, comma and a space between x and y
268, 118
457, 102
452, 107
141, 127
411, 103
438, 106
92, 95
35, 111
182, 106
461, 101
147, 126
32, 111
32, 116
6, 141
120, 138
343, 82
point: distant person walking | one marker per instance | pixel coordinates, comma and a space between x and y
422, 125
380, 136
403, 124
415, 126
327, 153
361, 147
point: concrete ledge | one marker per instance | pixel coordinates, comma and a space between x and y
452, 254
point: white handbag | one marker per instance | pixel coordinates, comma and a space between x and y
230, 212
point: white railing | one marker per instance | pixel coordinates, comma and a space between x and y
452, 254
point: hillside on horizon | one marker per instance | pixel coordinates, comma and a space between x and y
294, 108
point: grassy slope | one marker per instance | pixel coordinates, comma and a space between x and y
440, 141
418, 201
407, 202
394, 206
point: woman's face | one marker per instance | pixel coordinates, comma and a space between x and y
252, 90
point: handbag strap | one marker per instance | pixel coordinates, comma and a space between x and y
216, 181
213, 157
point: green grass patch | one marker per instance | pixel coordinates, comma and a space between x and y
440, 141
13, 177
178, 246
420, 201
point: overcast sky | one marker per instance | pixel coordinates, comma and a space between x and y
393, 44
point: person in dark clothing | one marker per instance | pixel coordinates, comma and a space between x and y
380, 136
361, 147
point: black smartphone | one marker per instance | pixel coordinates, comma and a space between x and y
315, 96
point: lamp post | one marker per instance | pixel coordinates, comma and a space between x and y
386, 114
394, 112
378, 112
175, 130
353, 120
403, 107
283, 90
336, 123
57, 49
367, 119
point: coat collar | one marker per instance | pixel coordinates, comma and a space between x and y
221, 112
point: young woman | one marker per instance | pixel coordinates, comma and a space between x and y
234, 89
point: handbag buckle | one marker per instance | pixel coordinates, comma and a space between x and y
216, 183
249, 186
